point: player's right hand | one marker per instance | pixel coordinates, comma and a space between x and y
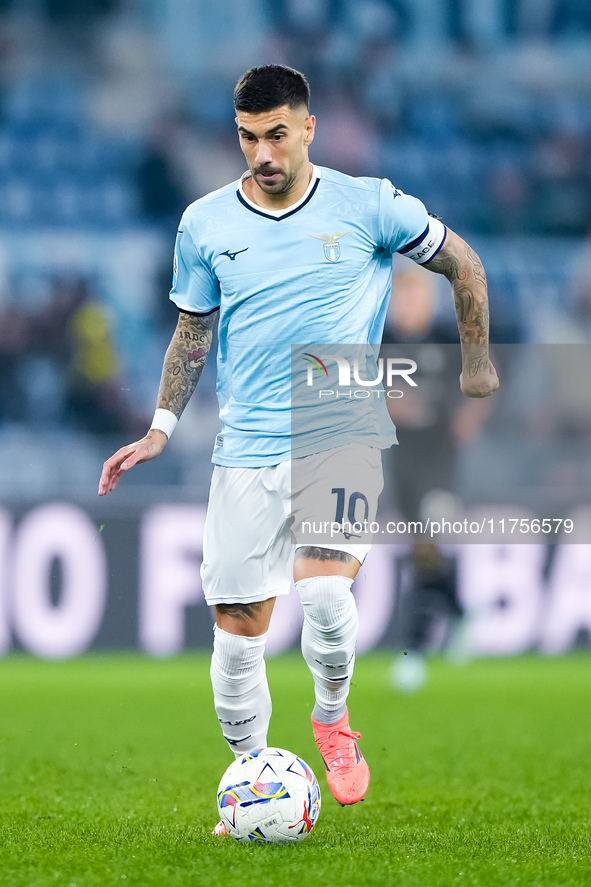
142, 450
479, 378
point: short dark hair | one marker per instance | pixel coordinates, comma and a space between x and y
270, 86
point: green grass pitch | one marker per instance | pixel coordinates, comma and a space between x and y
109, 767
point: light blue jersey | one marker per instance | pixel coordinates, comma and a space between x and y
319, 271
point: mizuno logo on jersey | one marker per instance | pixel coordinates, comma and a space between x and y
232, 256
332, 247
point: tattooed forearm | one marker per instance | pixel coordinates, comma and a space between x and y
184, 361
463, 268
472, 316
324, 554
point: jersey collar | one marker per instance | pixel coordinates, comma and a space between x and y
279, 214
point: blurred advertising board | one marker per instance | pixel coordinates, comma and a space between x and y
93, 575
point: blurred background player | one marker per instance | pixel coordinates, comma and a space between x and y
432, 421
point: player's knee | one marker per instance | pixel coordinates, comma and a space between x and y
237, 660
329, 605
312, 561
248, 620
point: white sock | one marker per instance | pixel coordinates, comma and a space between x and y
240, 691
328, 641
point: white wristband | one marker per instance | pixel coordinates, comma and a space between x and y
164, 421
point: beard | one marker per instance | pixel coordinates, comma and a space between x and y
282, 184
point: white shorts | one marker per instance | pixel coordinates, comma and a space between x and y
248, 539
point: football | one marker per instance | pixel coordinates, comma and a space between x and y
269, 795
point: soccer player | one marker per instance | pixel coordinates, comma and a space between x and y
291, 253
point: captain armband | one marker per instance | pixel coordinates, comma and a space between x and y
425, 247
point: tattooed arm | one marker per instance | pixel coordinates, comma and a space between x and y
184, 361
183, 365
463, 268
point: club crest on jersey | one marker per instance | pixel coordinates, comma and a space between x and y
332, 247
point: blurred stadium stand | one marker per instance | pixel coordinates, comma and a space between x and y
115, 114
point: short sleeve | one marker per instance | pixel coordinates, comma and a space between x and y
194, 285
406, 227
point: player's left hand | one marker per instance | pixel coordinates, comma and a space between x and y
479, 379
